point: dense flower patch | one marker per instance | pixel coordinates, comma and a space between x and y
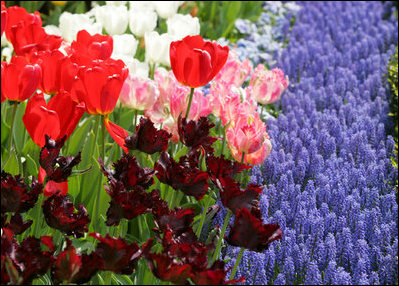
329, 181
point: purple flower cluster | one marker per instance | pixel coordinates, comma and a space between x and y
329, 181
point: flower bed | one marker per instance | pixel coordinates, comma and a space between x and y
329, 180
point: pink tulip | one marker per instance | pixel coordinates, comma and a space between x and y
234, 71
266, 86
246, 134
139, 93
257, 157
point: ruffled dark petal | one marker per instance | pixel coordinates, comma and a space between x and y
17, 225
117, 255
147, 138
249, 231
60, 214
216, 275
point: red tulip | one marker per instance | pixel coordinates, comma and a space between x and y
3, 16
17, 14
87, 48
56, 119
196, 62
58, 71
19, 79
99, 85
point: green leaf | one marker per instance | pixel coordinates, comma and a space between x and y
78, 138
19, 129
31, 166
12, 164
5, 131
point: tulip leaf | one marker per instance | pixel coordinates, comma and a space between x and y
78, 138
19, 129
31, 166
11, 165
5, 131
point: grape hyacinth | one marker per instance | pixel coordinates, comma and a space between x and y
329, 181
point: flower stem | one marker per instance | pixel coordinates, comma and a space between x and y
135, 120
233, 273
103, 137
203, 215
189, 102
224, 137
14, 111
219, 244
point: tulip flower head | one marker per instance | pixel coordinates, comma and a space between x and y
195, 62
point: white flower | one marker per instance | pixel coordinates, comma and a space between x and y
115, 3
53, 30
181, 26
142, 21
124, 44
166, 9
149, 5
113, 18
157, 48
137, 68
71, 24
6, 54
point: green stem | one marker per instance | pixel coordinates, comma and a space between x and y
118, 118
224, 137
189, 102
233, 273
103, 137
219, 244
36, 231
203, 215
14, 111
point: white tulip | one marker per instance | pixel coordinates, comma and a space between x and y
149, 5
166, 9
157, 48
53, 30
113, 18
142, 21
181, 26
71, 24
116, 3
125, 44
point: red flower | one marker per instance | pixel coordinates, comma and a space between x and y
196, 133
99, 84
87, 48
216, 275
18, 14
17, 225
219, 167
56, 119
58, 71
60, 214
117, 133
69, 266
195, 62
19, 79
3, 17
183, 175
249, 231
117, 255
147, 138
16, 196
129, 172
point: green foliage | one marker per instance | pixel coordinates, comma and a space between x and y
217, 18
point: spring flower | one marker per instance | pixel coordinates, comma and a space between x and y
3, 17
99, 85
147, 138
138, 93
60, 214
246, 134
124, 44
56, 119
71, 24
195, 62
114, 19
234, 72
157, 48
180, 26
166, 9
142, 21
267, 86
257, 157
19, 79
